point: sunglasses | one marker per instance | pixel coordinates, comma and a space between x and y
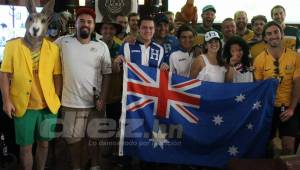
276, 70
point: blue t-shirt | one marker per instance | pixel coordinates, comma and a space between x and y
170, 44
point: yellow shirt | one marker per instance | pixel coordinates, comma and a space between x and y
118, 40
248, 36
17, 61
36, 100
256, 49
289, 69
289, 42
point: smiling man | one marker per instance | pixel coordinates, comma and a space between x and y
208, 16
291, 34
144, 51
256, 44
283, 64
86, 73
241, 21
163, 37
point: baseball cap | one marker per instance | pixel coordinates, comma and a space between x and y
211, 35
85, 10
209, 7
161, 18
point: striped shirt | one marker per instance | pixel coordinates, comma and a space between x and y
139, 54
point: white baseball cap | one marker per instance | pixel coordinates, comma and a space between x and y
210, 35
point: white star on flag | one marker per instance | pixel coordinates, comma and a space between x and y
218, 120
159, 139
256, 105
249, 126
240, 98
233, 150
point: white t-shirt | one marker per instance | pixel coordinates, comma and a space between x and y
82, 66
180, 63
212, 73
244, 77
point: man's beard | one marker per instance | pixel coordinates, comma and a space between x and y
84, 32
278, 21
241, 25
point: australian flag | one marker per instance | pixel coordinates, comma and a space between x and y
172, 119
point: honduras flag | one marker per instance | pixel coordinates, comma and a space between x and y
172, 119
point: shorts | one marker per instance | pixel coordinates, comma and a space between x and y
35, 124
288, 128
79, 123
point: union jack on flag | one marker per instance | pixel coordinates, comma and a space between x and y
172, 119
163, 93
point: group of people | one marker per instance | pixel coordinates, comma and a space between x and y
83, 73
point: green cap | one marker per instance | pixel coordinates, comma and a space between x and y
209, 7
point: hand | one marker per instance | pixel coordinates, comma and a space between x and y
119, 59
164, 67
9, 109
100, 104
287, 114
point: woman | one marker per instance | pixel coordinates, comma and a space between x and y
210, 66
236, 54
181, 59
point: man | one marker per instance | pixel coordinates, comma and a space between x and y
122, 20
30, 85
228, 29
241, 21
133, 20
162, 36
144, 51
208, 16
108, 29
171, 16
256, 44
87, 67
291, 34
284, 64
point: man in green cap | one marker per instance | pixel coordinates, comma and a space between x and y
208, 16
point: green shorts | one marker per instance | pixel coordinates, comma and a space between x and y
35, 124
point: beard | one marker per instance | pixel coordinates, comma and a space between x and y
241, 25
84, 32
278, 21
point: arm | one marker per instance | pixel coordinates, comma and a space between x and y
58, 84
289, 112
196, 67
106, 70
100, 104
163, 66
229, 74
117, 64
8, 107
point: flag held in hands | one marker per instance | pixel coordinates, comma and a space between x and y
171, 119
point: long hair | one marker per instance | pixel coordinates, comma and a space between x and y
245, 61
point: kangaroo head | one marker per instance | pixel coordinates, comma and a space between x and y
37, 23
